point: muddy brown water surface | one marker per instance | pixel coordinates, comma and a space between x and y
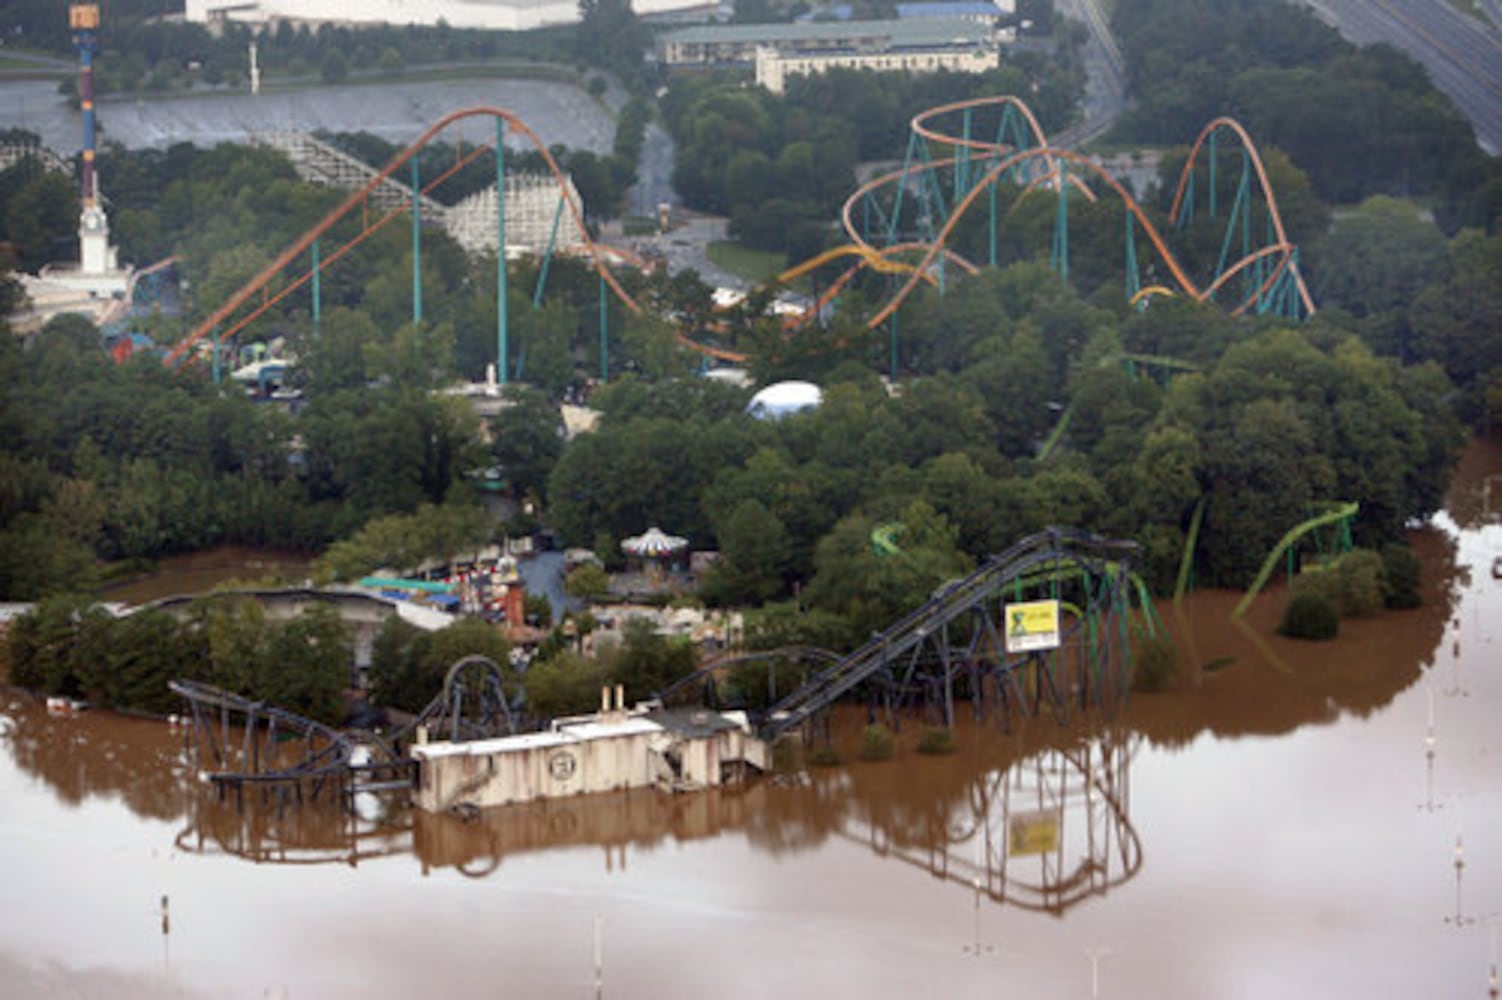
197, 572
1275, 827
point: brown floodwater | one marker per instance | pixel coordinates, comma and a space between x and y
1286, 824
196, 572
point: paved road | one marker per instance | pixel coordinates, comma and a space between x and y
1105, 88
397, 112
1462, 53
654, 172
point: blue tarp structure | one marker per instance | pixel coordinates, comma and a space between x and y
389, 583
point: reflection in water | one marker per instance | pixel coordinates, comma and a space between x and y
98, 754
1045, 834
1366, 883
322, 832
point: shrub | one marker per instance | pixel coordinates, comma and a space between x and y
936, 740
876, 742
1402, 569
825, 756
1363, 584
787, 754
1155, 663
1310, 615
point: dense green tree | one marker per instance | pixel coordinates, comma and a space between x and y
1455, 321
526, 439
408, 666
1378, 258
756, 552
870, 590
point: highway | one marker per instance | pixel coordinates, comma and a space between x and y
1105, 88
1462, 53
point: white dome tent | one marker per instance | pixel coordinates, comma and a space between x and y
781, 399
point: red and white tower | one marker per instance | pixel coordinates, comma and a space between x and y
96, 256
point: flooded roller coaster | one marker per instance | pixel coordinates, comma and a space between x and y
975, 639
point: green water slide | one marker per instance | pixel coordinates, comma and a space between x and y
1187, 561
884, 538
1339, 512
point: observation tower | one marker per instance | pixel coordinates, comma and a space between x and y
98, 271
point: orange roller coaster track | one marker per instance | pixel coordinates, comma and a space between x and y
260, 284
1002, 159
968, 165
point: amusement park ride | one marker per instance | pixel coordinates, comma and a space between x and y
1046, 833
963, 160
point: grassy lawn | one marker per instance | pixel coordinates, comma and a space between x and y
756, 266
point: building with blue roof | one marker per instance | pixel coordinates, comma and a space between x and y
981, 11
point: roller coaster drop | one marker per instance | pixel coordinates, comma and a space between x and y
959, 155
359, 203
898, 224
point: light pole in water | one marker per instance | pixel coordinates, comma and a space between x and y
1429, 744
1095, 955
1459, 919
1494, 990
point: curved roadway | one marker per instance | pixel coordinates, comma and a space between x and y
1105, 69
1462, 52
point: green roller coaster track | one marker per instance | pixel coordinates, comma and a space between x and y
1341, 513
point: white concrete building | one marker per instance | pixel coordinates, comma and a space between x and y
612, 750
774, 68
495, 15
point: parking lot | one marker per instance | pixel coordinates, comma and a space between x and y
397, 112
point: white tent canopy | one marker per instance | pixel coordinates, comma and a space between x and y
653, 543
782, 398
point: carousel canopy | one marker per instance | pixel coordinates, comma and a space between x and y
652, 543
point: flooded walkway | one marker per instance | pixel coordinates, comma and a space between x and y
1287, 824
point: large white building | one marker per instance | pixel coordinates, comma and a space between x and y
497, 15
779, 51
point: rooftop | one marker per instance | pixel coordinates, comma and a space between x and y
917, 32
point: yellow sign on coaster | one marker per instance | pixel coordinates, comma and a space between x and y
1033, 833
1032, 625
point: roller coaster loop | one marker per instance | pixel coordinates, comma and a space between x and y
932, 186
357, 201
1283, 251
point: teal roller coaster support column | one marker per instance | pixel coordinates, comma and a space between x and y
1212, 172
317, 295
1133, 280
1061, 226
604, 334
502, 359
894, 348
994, 182
547, 258
1246, 228
416, 244
214, 354
962, 162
